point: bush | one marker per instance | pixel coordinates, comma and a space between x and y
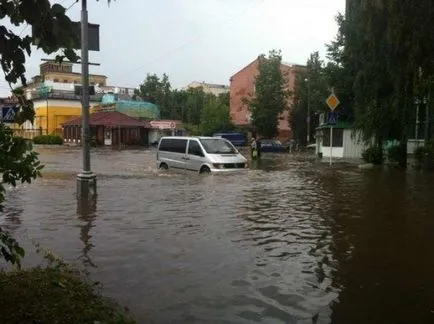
54, 295
373, 155
397, 154
48, 140
192, 130
424, 155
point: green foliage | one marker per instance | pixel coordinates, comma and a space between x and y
385, 53
17, 163
215, 117
373, 155
192, 130
10, 250
52, 30
158, 92
270, 95
397, 154
54, 295
48, 140
339, 73
424, 155
310, 90
193, 106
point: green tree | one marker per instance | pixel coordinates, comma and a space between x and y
178, 111
215, 116
311, 91
185, 105
270, 95
339, 74
18, 163
386, 44
52, 30
159, 92
195, 103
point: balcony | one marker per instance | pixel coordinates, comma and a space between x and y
62, 95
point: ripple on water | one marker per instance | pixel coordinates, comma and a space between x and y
277, 244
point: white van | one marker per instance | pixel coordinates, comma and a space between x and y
199, 154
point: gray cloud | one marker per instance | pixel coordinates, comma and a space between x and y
206, 40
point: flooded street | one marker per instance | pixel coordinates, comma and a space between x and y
289, 241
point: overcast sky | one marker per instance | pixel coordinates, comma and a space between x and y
198, 40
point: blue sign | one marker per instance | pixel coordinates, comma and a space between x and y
332, 118
9, 113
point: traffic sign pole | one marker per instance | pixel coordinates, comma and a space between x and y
331, 145
86, 179
332, 101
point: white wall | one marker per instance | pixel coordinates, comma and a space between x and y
352, 147
337, 152
413, 144
154, 135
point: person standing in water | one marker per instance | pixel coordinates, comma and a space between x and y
254, 148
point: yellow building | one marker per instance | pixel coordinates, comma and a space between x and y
54, 98
52, 113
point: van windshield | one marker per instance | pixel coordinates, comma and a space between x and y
217, 146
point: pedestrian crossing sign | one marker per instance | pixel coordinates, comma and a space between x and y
8, 114
332, 118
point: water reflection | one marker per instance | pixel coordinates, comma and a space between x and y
279, 218
378, 248
86, 211
12, 212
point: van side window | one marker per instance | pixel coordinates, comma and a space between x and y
173, 145
194, 148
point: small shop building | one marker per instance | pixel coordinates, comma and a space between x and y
345, 144
108, 128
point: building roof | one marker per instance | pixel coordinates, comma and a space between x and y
255, 60
108, 119
211, 85
75, 74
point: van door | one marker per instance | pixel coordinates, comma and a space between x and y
195, 156
172, 151
180, 155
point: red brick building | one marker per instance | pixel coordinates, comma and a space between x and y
243, 86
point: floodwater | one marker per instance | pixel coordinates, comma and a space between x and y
289, 241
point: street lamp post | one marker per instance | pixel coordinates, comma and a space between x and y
46, 101
86, 179
308, 110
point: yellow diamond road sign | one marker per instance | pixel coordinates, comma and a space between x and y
332, 101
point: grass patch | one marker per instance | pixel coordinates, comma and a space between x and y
50, 295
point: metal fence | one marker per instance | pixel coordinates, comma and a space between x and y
31, 133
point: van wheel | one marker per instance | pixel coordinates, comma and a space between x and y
205, 169
164, 166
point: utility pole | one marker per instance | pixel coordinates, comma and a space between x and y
416, 132
86, 179
308, 111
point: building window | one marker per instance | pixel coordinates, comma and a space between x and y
338, 137
56, 80
65, 81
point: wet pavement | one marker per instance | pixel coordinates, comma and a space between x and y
289, 241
